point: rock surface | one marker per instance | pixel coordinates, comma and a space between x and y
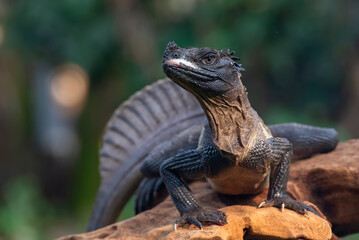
330, 181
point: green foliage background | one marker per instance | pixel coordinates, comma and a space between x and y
297, 56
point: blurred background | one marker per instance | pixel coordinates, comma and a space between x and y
66, 65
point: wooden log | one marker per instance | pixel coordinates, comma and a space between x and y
330, 181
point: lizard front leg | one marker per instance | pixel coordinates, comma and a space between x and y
188, 165
280, 156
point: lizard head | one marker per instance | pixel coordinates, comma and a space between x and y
202, 71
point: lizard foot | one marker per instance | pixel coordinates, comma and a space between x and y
199, 215
287, 202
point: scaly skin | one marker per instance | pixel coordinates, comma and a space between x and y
236, 152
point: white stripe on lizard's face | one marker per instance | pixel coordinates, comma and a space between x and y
179, 61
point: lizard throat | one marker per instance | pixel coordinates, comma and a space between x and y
232, 121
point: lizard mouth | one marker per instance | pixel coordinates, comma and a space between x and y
178, 67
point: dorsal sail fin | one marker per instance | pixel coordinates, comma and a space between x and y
150, 117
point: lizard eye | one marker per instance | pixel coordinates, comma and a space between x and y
209, 59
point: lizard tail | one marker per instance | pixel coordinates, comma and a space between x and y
149, 118
307, 140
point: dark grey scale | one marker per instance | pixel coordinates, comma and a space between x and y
258, 157
306, 140
278, 146
150, 192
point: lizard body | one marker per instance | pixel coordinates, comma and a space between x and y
243, 151
233, 149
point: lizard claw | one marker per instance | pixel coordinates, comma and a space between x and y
198, 216
175, 227
262, 204
287, 202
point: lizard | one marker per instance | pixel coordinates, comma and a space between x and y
227, 143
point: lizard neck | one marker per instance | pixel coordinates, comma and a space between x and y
231, 119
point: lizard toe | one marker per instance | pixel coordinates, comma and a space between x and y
199, 215
213, 216
289, 203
